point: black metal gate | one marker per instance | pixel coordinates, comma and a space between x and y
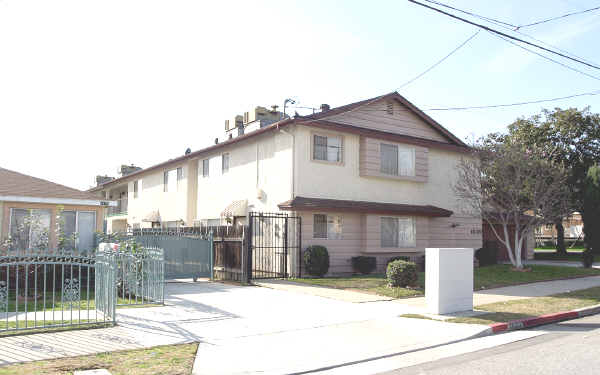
274, 248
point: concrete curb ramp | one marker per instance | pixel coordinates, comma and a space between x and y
543, 319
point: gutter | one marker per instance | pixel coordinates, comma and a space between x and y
71, 201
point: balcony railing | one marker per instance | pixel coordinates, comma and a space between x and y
119, 209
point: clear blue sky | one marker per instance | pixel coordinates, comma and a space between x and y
86, 86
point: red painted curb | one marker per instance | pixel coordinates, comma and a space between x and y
538, 320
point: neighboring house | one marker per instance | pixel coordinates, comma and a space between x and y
31, 207
573, 226
369, 178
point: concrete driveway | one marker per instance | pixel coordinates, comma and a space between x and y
252, 330
248, 330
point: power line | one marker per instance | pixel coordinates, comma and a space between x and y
503, 34
592, 93
548, 58
439, 62
511, 27
489, 19
558, 17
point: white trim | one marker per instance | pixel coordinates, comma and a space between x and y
83, 202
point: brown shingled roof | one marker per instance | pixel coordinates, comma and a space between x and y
337, 205
21, 185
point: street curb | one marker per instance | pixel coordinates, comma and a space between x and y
542, 319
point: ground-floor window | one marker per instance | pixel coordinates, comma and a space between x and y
398, 232
78, 228
29, 228
327, 226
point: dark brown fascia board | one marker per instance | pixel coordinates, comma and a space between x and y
365, 210
194, 154
378, 134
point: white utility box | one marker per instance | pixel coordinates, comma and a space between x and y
448, 280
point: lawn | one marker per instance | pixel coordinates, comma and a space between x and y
532, 307
172, 360
56, 303
484, 278
549, 253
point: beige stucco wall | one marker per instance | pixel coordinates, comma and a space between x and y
172, 205
1, 220
54, 208
361, 235
343, 181
263, 163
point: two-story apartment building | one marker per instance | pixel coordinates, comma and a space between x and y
369, 178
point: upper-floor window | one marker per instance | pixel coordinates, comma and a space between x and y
170, 180
398, 232
327, 226
225, 163
179, 176
397, 160
205, 167
327, 148
136, 188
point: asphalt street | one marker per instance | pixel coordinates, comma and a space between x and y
570, 347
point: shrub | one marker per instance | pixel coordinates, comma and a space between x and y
316, 260
587, 259
401, 273
363, 264
404, 258
488, 254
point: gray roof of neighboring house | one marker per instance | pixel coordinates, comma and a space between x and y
21, 185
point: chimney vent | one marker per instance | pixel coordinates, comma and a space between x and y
216, 141
325, 107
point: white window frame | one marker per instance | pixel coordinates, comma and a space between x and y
10, 223
313, 136
205, 168
330, 221
401, 150
400, 244
136, 189
77, 223
179, 177
225, 165
166, 180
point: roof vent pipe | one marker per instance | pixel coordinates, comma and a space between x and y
325, 107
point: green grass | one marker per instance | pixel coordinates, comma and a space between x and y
532, 307
373, 284
55, 303
549, 253
172, 360
484, 278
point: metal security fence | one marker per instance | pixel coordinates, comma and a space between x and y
50, 289
140, 276
185, 256
274, 245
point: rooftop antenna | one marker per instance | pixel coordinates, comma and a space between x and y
285, 102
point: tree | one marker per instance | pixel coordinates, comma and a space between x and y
591, 210
511, 184
572, 137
